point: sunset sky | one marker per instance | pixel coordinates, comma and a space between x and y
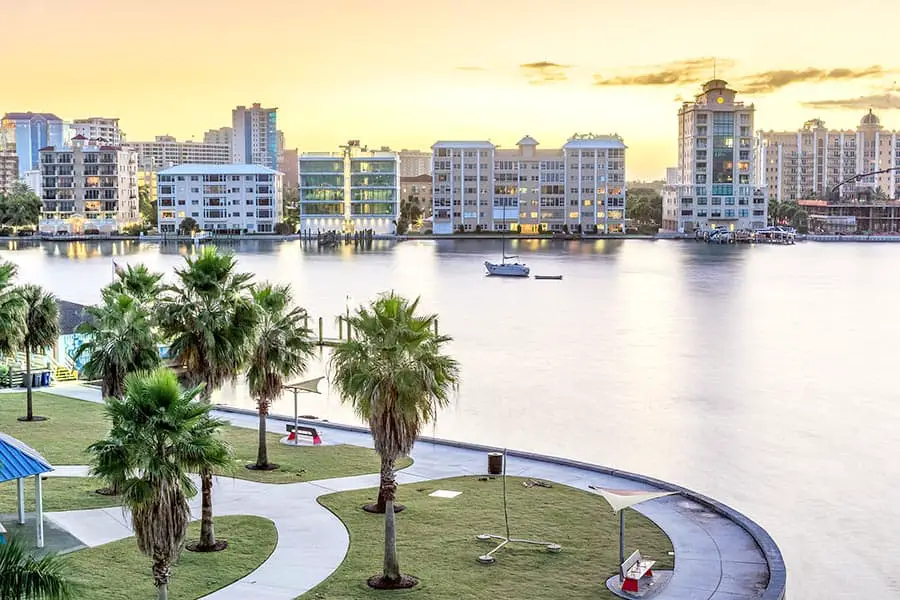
406, 73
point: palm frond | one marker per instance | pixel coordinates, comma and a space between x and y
24, 577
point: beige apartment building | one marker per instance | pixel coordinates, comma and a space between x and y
714, 184
9, 170
87, 188
418, 191
810, 162
414, 163
478, 186
165, 151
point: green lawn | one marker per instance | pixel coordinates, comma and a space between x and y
118, 571
74, 424
436, 542
60, 493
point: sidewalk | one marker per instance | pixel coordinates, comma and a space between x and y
715, 557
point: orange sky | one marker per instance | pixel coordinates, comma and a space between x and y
405, 73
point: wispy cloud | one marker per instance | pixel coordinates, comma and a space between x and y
543, 71
470, 68
769, 81
679, 72
883, 101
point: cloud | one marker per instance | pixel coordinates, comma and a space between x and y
883, 101
679, 72
545, 72
769, 81
470, 68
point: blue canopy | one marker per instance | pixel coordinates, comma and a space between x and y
18, 460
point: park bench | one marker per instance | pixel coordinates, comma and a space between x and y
633, 569
303, 430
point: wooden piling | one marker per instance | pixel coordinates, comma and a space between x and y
320, 330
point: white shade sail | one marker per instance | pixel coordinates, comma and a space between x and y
311, 385
619, 499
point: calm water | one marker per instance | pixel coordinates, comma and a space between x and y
760, 376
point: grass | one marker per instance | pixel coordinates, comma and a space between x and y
60, 493
75, 424
118, 571
436, 542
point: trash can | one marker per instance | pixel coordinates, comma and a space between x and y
25, 379
495, 463
45, 378
35, 380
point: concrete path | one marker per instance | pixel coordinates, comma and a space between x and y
716, 559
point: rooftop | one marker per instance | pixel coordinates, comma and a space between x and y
204, 169
463, 144
28, 115
18, 460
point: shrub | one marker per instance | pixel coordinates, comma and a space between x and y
283, 229
91, 232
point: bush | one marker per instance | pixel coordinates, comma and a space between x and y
135, 229
91, 232
6, 232
25, 232
284, 229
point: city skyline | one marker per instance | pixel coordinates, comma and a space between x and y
391, 74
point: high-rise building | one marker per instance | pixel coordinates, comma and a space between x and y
165, 152
102, 130
353, 190
255, 136
810, 162
222, 135
27, 133
579, 187
222, 198
87, 187
414, 163
714, 184
288, 165
9, 170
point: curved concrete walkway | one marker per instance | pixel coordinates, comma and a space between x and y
716, 558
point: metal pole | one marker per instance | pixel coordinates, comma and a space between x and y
296, 422
39, 516
320, 330
340, 328
20, 493
621, 543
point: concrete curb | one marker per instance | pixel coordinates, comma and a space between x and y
775, 589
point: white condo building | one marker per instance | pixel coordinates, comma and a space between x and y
100, 129
165, 151
714, 184
220, 198
808, 163
478, 186
88, 188
348, 191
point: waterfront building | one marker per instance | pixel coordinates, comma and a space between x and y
255, 136
28, 132
478, 186
9, 170
220, 198
418, 190
810, 162
352, 190
88, 187
414, 163
847, 215
102, 130
714, 184
165, 151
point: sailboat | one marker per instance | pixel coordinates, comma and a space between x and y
506, 269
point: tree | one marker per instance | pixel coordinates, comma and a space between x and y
158, 435
291, 199
21, 207
282, 349
209, 319
773, 210
12, 311
121, 340
187, 226
644, 205
24, 577
396, 377
40, 332
138, 282
147, 206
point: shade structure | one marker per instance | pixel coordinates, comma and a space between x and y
19, 461
310, 385
621, 499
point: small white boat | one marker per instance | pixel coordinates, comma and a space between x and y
506, 269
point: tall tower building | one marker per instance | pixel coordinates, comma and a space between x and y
100, 129
28, 132
255, 136
713, 185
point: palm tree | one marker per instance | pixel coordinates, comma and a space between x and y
12, 311
281, 350
773, 210
120, 340
396, 377
209, 319
24, 577
139, 282
159, 435
41, 332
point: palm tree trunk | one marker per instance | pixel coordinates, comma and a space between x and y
29, 413
161, 579
387, 486
391, 560
207, 532
262, 454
